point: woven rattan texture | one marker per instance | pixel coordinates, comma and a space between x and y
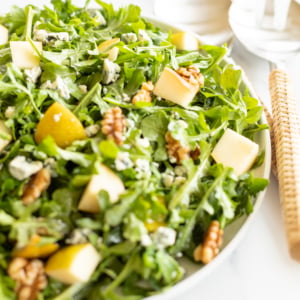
286, 126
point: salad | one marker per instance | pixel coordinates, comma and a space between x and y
123, 148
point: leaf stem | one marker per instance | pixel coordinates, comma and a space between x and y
87, 98
29, 15
181, 241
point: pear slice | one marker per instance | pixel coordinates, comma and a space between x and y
5, 135
73, 264
185, 41
61, 124
3, 35
171, 86
106, 180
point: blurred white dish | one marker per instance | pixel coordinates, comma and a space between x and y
268, 40
207, 18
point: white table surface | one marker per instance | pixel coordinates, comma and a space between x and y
260, 267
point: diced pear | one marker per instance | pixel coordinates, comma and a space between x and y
35, 249
106, 180
113, 53
185, 41
235, 151
3, 35
61, 124
73, 264
24, 55
5, 135
171, 86
107, 45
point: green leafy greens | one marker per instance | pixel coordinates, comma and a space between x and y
162, 196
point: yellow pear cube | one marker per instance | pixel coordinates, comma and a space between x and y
3, 35
235, 151
24, 55
5, 135
185, 41
106, 180
171, 86
73, 264
61, 124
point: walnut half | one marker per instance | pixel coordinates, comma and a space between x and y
176, 151
38, 183
30, 277
113, 125
209, 249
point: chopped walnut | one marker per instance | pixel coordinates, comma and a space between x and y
192, 75
209, 249
176, 151
195, 154
144, 94
38, 183
113, 125
30, 277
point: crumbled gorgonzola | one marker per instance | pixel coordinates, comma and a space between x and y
44, 36
9, 112
92, 130
21, 169
78, 236
143, 142
126, 97
97, 16
110, 71
142, 168
164, 237
123, 161
167, 179
33, 74
58, 85
146, 240
129, 37
143, 36
50, 164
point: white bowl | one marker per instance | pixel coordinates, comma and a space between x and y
234, 232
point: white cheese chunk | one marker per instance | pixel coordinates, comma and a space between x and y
21, 169
235, 151
110, 71
173, 87
32, 75
164, 237
5, 136
3, 35
106, 180
57, 85
23, 54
